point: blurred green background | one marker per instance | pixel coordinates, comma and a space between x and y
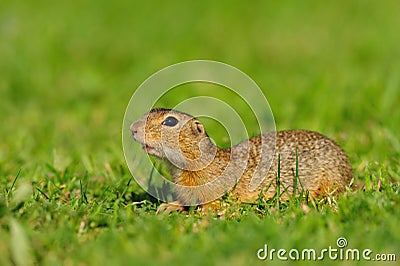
68, 69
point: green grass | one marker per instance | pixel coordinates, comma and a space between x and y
68, 70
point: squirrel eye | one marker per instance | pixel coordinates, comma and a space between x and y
170, 121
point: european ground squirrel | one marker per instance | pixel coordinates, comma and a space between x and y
204, 172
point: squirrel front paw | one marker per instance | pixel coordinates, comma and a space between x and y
169, 207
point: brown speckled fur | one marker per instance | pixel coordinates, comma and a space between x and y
323, 166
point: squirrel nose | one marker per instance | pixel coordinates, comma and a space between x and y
137, 129
137, 125
134, 132
133, 128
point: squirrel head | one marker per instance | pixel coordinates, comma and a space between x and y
175, 136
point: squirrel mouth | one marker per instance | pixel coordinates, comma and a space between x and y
147, 148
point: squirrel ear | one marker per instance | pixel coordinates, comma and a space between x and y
197, 128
